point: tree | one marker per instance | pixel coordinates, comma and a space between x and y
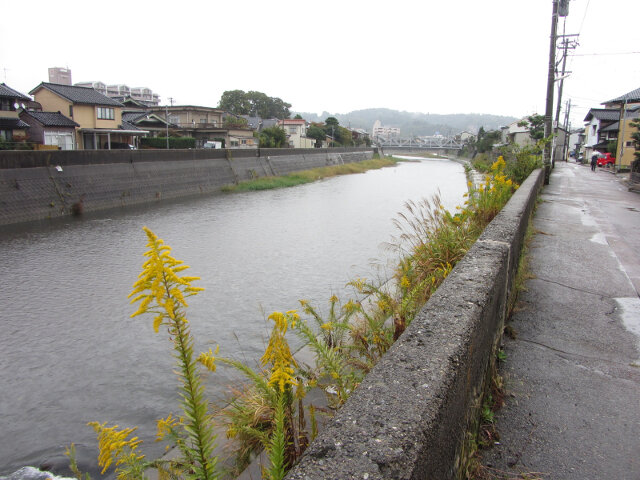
254, 103
535, 124
273, 137
235, 101
331, 121
488, 139
316, 132
235, 122
636, 137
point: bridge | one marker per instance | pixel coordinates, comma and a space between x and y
437, 142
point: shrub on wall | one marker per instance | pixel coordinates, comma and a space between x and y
174, 142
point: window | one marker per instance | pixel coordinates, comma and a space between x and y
6, 104
105, 113
630, 144
71, 111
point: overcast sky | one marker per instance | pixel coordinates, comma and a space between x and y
447, 56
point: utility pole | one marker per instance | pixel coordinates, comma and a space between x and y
622, 124
166, 122
550, 81
566, 130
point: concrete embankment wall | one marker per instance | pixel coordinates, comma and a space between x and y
410, 416
36, 185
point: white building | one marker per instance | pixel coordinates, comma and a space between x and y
121, 91
296, 130
381, 131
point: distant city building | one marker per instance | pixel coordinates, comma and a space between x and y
59, 75
121, 92
381, 131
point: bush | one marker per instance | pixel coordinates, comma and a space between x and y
174, 142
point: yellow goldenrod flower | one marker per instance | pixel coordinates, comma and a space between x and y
278, 353
208, 359
404, 282
114, 446
164, 427
159, 289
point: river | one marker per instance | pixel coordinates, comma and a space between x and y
71, 354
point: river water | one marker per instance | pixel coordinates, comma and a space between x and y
69, 352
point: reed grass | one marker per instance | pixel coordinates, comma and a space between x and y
309, 176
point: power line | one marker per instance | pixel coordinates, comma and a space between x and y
602, 54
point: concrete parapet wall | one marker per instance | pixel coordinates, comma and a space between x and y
40, 185
409, 417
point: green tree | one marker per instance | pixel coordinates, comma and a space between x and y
316, 132
235, 101
485, 143
273, 137
235, 122
240, 102
331, 121
636, 137
535, 124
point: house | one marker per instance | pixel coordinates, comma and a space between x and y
467, 137
359, 136
628, 108
596, 137
518, 133
12, 128
50, 128
296, 130
98, 116
205, 124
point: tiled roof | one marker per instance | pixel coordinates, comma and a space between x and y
52, 119
128, 126
632, 96
83, 95
12, 123
133, 116
6, 91
608, 115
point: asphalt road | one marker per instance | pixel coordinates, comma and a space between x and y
572, 374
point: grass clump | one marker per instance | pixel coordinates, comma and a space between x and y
308, 176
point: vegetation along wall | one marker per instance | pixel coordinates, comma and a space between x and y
408, 419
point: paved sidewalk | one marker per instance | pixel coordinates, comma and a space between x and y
573, 372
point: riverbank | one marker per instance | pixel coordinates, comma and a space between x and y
312, 175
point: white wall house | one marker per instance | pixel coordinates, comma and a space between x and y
296, 130
595, 121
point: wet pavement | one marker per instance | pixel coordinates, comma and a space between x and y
572, 373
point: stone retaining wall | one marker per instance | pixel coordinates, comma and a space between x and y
41, 185
409, 417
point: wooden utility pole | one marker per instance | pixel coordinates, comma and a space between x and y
550, 81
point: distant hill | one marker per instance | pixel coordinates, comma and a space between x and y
414, 124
